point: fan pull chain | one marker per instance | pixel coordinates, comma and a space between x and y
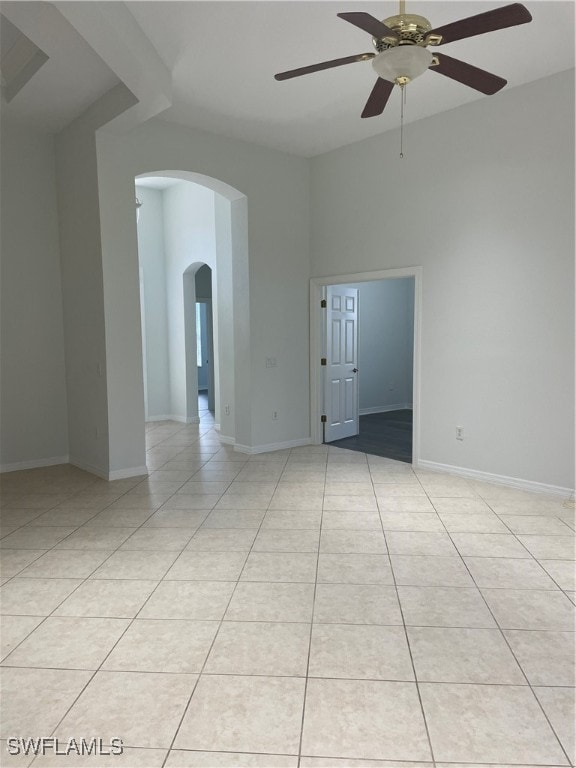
402, 102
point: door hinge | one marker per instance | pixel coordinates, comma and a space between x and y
322, 361
323, 304
323, 419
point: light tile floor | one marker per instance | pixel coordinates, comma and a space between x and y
312, 607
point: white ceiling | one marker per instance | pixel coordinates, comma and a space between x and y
224, 56
156, 182
72, 78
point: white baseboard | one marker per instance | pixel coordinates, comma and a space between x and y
227, 440
253, 449
171, 417
123, 474
34, 463
98, 471
488, 477
385, 408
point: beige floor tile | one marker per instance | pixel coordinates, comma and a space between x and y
230, 519
68, 643
34, 700
353, 542
198, 501
350, 504
193, 600
252, 487
411, 521
287, 541
418, 543
405, 504
450, 655
547, 657
292, 520
237, 501
508, 573
354, 569
550, 547
222, 540
545, 524
360, 652
36, 537
136, 565
96, 538
364, 719
280, 566
356, 604
335, 488
120, 599
526, 609
15, 560
120, 518
489, 545
180, 758
488, 724
139, 502
256, 601
142, 709
461, 506
385, 491
351, 520
430, 571
329, 762
254, 648
130, 758
166, 539
207, 566
444, 607
305, 504
152, 487
562, 571
202, 487
244, 714
66, 517
14, 630
155, 645
69, 563
34, 597
467, 522
558, 704
177, 518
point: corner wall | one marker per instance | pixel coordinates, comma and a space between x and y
484, 202
33, 393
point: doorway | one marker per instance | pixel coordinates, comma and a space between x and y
204, 344
365, 337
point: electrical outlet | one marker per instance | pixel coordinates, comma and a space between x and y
227, 410
274, 415
459, 433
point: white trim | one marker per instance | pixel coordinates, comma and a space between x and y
227, 440
488, 477
180, 419
385, 408
316, 286
34, 464
216, 427
123, 474
253, 449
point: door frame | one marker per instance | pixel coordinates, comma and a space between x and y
317, 338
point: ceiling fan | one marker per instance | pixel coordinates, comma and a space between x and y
401, 44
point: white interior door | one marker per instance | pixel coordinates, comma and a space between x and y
341, 378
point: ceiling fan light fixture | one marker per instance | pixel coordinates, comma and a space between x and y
402, 64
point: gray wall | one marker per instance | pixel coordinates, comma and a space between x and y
385, 344
33, 390
484, 201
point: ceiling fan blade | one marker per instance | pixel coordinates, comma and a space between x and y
323, 65
482, 81
378, 98
500, 18
368, 24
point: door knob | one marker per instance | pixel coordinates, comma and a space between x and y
354, 370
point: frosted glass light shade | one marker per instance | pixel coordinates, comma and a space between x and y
404, 61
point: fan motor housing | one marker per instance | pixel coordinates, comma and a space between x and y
412, 30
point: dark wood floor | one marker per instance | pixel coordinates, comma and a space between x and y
383, 434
